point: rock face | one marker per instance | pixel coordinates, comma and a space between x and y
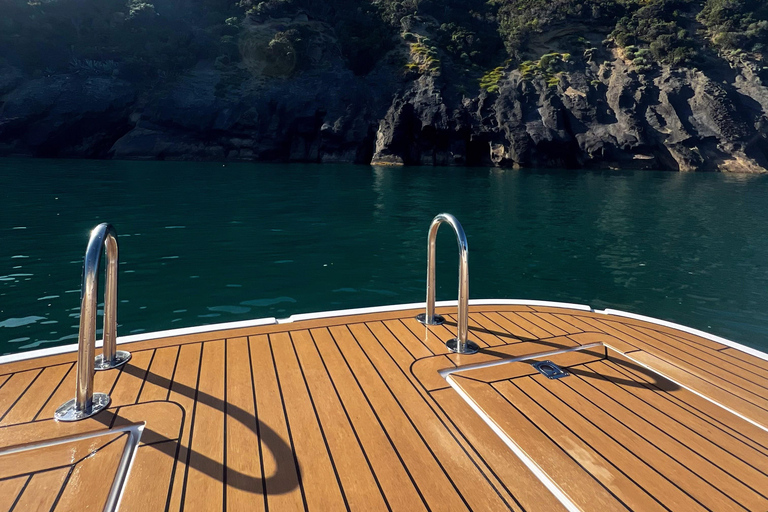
63, 115
593, 115
606, 116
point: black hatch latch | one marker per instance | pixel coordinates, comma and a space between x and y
550, 370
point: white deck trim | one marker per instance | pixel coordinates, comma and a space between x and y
442, 303
543, 477
690, 330
44, 352
32, 354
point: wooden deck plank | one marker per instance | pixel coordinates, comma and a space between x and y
489, 326
426, 372
751, 360
360, 486
184, 393
163, 421
585, 492
441, 334
318, 474
245, 481
89, 476
598, 325
699, 490
413, 344
425, 334
667, 390
430, 477
477, 331
205, 473
449, 331
394, 345
64, 392
735, 365
749, 364
476, 490
544, 324
697, 433
494, 307
28, 404
281, 474
130, 378
553, 309
15, 388
529, 325
567, 327
10, 491
393, 476
662, 329
505, 324
698, 476
42, 490
527, 489
492, 338
391, 346
160, 375
147, 486
577, 319
584, 338
703, 364
632, 480
720, 393
364, 420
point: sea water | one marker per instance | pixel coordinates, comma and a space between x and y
204, 243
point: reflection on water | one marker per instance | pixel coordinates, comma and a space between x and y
206, 243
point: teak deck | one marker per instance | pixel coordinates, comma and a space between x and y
350, 413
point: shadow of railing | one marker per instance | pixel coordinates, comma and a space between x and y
281, 451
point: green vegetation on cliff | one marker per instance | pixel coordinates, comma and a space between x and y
139, 39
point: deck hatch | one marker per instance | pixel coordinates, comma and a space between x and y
550, 370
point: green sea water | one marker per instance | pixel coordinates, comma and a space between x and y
204, 243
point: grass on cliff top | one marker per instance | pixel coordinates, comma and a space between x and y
136, 38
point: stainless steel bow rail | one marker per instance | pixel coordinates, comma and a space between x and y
459, 344
87, 403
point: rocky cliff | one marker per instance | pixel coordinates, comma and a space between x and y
592, 108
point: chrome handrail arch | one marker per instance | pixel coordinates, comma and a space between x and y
86, 403
460, 344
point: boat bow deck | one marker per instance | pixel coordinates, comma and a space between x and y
355, 412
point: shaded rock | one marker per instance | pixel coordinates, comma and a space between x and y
65, 115
596, 113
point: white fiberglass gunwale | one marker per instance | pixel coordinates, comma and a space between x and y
377, 309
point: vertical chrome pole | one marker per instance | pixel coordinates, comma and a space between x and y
460, 344
87, 403
111, 357
430, 318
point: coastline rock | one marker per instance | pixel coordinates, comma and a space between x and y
65, 116
592, 115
